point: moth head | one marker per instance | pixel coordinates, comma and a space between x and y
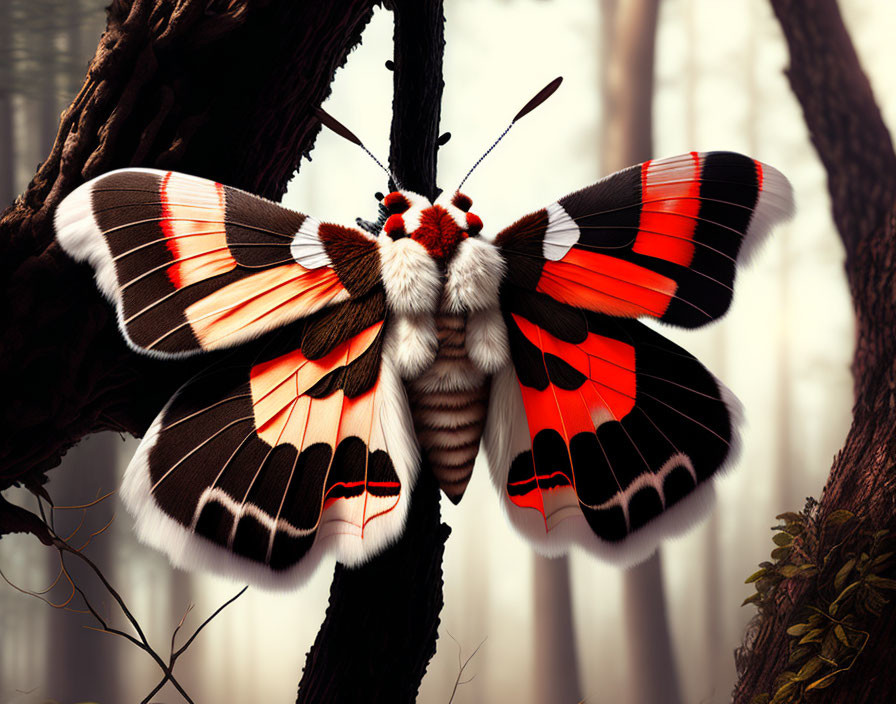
438, 228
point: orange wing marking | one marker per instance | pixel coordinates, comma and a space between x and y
196, 257
272, 394
272, 297
606, 284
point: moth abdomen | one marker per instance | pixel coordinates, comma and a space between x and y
449, 403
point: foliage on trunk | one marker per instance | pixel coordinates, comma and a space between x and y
827, 618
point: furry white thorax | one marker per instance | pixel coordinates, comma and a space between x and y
411, 343
410, 276
474, 276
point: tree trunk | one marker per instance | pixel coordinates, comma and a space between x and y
855, 147
627, 140
382, 622
556, 660
221, 90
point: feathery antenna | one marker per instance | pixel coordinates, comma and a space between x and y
334, 125
537, 100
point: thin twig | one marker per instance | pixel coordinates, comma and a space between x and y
462, 665
176, 654
64, 547
96, 533
84, 506
143, 642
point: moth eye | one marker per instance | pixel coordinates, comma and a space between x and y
474, 224
462, 202
394, 227
396, 203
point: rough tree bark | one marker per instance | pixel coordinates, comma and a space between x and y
224, 89
627, 139
855, 147
382, 622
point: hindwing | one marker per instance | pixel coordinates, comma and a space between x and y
276, 455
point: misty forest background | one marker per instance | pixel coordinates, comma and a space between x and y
784, 349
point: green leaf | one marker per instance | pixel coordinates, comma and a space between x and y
813, 636
832, 609
782, 539
880, 560
809, 669
752, 599
843, 573
795, 528
840, 632
780, 554
830, 648
825, 681
756, 575
790, 517
788, 571
881, 582
874, 602
839, 517
782, 696
798, 630
800, 653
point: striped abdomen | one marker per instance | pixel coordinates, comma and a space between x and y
448, 403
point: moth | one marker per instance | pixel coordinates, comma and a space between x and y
361, 358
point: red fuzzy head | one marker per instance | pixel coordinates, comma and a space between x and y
438, 232
440, 229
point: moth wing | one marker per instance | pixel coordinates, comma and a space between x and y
661, 239
193, 265
265, 462
603, 433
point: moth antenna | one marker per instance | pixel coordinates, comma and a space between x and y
536, 100
334, 125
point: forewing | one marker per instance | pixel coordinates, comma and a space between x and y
603, 433
262, 464
193, 265
661, 239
